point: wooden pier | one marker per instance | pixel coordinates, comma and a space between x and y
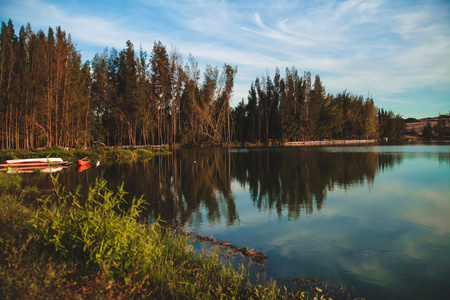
329, 143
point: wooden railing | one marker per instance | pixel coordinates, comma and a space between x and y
326, 143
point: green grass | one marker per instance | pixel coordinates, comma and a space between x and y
55, 248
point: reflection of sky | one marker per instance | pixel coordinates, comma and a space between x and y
389, 240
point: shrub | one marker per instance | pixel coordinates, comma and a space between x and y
100, 235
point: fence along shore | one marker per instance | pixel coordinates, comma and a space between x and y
326, 143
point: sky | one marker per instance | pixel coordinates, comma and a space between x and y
398, 52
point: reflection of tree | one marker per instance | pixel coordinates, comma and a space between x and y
190, 183
181, 185
280, 179
387, 161
444, 157
295, 179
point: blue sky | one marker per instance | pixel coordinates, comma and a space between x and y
398, 51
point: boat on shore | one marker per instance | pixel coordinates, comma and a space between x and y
34, 163
44, 160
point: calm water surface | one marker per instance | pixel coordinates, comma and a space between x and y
376, 218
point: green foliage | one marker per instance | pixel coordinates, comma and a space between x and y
145, 154
102, 234
131, 259
391, 126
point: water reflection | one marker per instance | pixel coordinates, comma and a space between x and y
194, 186
299, 180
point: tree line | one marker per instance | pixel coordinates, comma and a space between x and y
49, 98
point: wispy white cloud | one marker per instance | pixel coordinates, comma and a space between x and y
88, 31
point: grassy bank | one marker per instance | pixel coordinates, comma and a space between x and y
51, 247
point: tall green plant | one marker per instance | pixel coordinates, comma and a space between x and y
99, 234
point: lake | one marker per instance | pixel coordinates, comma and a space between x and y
372, 218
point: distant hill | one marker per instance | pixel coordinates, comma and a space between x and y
419, 124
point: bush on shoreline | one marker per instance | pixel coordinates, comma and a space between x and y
103, 250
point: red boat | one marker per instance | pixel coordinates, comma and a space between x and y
84, 161
83, 164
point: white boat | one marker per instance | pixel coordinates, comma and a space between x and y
45, 160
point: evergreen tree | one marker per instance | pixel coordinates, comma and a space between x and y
161, 84
252, 116
275, 116
317, 111
427, 132
146, 104
23, 87
127, 93
100, 96
8, 41
239, 122
370, 120
292, 101
390, 126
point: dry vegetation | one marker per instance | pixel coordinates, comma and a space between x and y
419, 124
